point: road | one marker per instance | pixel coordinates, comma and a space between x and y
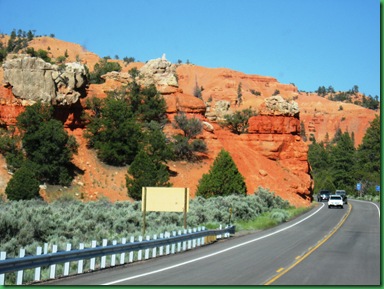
322, 247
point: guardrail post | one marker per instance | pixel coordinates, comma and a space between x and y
19, 280
198, 241
45, 248
80, 264
179, 243
184, 242
219, 236
39, 250
122, 255
189, 241
66, 264
140, 252
103, 258
167, 235
154, 248
3, 255
113, 257
52, 272
93, 260
202, 238
173, 244
194, 240
161, 248
146, 255
132, 240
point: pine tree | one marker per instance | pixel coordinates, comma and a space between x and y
223, 178
343, 163
368, 165
23, 185
145, 171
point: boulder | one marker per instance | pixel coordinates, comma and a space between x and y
161, 73
32, 79
277, 105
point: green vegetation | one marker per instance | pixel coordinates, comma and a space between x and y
113, 131
186, 146
25, 223
346, 96
255, 92
336, 164
223, 178
17, 41
117, 123
47, 145
237, 122
23, 185
101, 68
41, 153
43, 54
239, 99
197, 90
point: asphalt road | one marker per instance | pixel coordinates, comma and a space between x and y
323, 247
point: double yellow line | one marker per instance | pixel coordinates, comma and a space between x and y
282, 271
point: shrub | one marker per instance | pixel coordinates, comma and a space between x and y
238, 121
23, 185
101, 68
223, 178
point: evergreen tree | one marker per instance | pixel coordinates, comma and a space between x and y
23, 185
47, 145
114, 132
223, 178
145, 171
239, 95
368, 165
343, 163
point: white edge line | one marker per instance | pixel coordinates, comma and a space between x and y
212, 254
377, 207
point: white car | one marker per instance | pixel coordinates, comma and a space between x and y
335, 201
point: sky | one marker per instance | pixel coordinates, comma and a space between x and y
310, 43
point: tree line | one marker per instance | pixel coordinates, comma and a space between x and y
337, 164
346, 96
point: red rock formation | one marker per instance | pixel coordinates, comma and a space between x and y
272, 155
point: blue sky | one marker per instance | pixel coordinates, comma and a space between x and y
306, 42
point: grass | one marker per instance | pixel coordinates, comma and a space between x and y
265, 221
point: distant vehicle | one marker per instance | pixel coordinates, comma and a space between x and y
335, 201
323, 195
343, 194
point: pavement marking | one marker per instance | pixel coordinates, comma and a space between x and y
212, 254
310, 251
281, 269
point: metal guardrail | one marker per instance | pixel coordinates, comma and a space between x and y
28, 262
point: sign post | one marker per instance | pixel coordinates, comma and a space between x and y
165, 199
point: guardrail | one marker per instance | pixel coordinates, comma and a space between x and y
198, 238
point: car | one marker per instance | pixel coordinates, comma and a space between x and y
343, 194
335, 201
323, 195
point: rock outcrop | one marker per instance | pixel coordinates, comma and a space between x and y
161, 73
32, 79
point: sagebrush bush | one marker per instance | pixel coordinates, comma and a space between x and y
31, 223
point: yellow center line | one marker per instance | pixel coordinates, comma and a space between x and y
311, 250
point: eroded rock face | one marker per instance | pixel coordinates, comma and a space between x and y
160, 72
277, 105
32, 79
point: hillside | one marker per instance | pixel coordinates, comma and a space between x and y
275, 160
